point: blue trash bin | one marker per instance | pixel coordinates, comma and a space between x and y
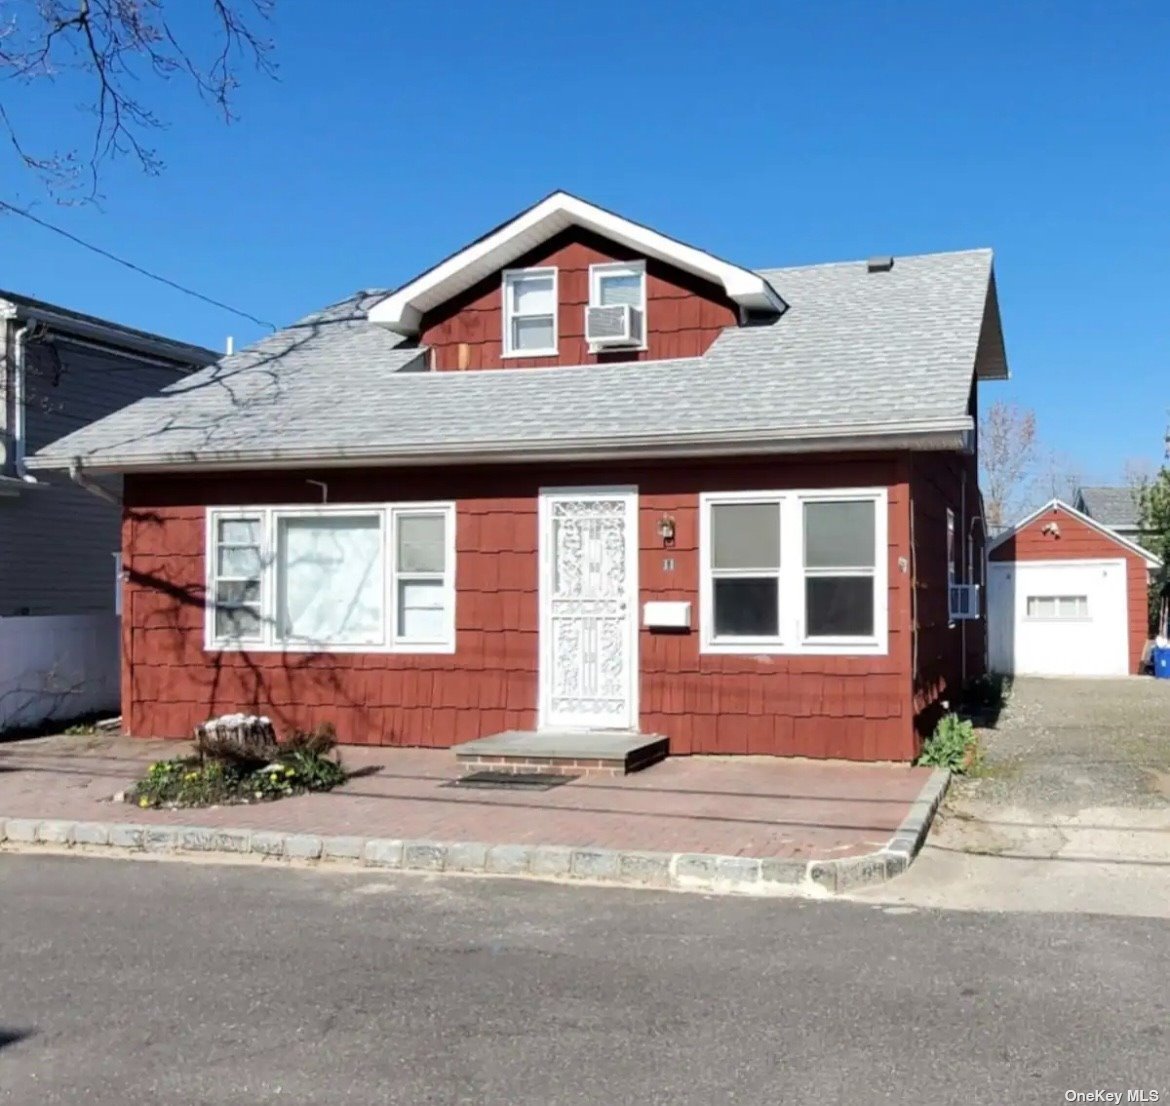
1161, 660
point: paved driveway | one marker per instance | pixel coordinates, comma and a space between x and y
1073, 768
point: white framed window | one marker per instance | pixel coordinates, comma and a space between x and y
794, 571
1057, 608
331, 578
618, 282
530, 312
612, 284
424, 553
236, 569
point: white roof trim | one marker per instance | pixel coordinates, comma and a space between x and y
402, 310
1101, 528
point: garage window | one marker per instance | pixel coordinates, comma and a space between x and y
1058, 607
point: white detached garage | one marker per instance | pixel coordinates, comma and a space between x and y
1066, 596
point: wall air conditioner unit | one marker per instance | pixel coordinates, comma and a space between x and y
619, 324
964, 602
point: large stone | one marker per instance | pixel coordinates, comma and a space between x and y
424, 856
466, 856
163, 838
302, 846
54, 831
787, 871
599, 864
22, 830
381, 852
125, 835
651, 869
509, 860
342, 847
551, 860
91, 833
265, 843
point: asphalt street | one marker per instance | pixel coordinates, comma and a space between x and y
132, 982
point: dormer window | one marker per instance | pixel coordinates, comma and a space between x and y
530, 313
616, 315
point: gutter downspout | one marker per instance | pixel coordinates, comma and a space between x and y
77, 475
19, 421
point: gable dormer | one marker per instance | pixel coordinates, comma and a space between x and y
568, 283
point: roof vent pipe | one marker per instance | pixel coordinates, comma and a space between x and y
879, 264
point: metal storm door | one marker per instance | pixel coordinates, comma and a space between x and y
589, 592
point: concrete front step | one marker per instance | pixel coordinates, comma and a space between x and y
563, 752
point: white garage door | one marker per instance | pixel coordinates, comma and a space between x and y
1058, 618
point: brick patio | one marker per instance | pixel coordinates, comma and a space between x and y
748, 806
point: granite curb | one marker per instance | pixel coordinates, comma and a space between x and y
704, 872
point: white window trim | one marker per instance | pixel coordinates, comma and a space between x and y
791, 640
619, 268
506, 313
269, 640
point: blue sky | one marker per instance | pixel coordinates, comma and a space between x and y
793, 133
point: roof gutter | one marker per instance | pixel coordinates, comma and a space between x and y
943, 435
163, 349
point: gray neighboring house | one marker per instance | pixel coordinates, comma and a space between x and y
61, 370
1113, 506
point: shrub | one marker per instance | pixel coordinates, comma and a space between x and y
952, 745
228, 770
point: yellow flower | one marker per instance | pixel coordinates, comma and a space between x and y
144, 801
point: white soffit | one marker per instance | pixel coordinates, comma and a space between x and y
402, 310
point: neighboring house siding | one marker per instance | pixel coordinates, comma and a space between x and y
1077, 541
57, 542
684, 314
828, 706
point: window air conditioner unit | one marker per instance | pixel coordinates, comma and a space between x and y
619, 324
964, 601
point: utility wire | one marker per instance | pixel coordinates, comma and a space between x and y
135, 268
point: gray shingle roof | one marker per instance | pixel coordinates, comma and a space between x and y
857, 353
1111, 506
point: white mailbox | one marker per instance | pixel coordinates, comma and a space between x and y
665, 615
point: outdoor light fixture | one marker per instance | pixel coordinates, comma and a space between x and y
666, 529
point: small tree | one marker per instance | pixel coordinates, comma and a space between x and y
1153, 496
1007, 458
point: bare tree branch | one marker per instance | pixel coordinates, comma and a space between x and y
113, 45
1007, 457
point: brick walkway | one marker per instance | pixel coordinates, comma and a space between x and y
745, 806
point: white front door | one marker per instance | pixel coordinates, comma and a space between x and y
1058, 618
589, 608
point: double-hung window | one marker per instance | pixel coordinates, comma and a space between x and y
794, 572
352, 578
530, 312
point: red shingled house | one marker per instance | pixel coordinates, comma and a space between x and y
578, 477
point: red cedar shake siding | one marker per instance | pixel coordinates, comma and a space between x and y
1079, 541
860, 707
684, 313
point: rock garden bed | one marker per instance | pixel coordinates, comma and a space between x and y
238, 759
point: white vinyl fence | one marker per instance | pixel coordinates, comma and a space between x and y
57, 667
